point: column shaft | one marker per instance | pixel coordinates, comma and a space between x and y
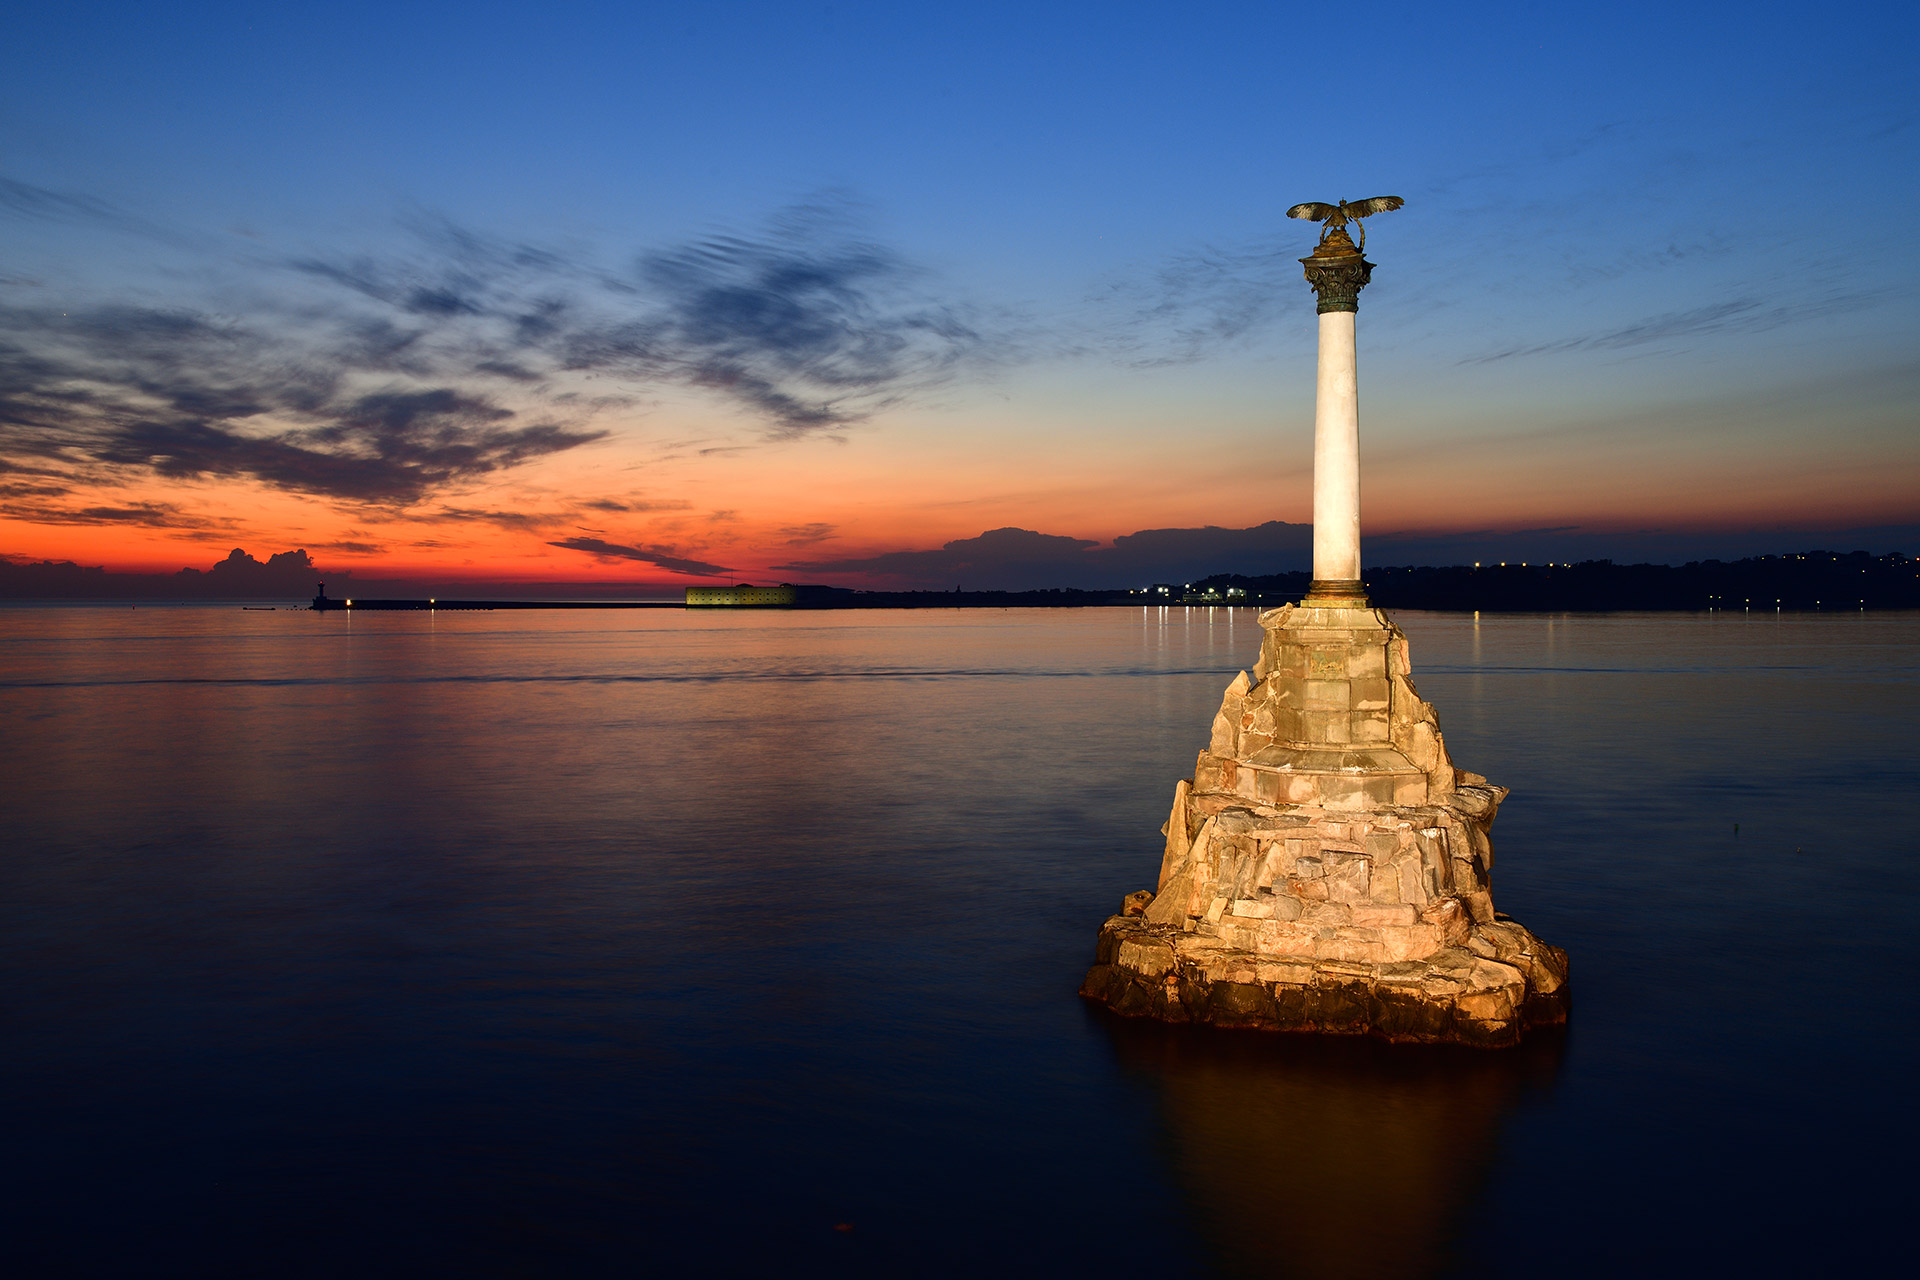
1336, 454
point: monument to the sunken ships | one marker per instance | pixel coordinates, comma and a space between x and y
1327, 866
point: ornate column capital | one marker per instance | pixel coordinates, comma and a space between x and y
1337, 271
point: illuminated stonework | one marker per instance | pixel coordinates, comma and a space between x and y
1326, 867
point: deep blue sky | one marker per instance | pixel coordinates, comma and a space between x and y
1639, 239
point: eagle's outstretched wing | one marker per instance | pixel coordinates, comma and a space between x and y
1373, 205
1314, 211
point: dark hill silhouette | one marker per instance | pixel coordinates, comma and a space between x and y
1815, 580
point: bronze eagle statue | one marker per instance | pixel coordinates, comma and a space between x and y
1337, 216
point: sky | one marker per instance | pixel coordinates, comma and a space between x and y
981, 295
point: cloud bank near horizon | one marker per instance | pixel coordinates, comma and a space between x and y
1007, 559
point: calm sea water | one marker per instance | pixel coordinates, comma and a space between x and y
634, 943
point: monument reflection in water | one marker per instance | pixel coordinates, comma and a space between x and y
1329, 1156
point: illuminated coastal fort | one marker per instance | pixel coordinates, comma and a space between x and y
743, 596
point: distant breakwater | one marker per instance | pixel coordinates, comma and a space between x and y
324, 604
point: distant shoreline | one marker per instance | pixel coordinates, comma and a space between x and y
1814, 581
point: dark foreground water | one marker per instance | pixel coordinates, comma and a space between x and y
662, 943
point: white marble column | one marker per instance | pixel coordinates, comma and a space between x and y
1336, 455
1338, 272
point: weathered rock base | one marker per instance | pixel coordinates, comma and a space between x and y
1327, 868
1485, 993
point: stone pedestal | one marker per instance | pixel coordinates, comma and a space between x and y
1327, 868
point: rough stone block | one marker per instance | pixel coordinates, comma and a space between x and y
1097, 983
1370, 729
1325, 727
1415, 942
1334, 792
1450, 919
1169, 906
1348, 877
1293, 1004
1495, 1006
1323, 915
1477, 801
1384, 789
1381, 845
1405, 1012
1149, 957
1132, 999
1369, 695
1284, 938
1328, 695
1178, 840
1350, 945
1293, 972
1367, 662
1241, 1004
1377, 916
1413, 883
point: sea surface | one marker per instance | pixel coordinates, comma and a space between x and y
671, 943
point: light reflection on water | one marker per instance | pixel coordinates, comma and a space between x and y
1309, 1156
547, 941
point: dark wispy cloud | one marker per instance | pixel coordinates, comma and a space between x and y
392, 379
1200, 300
1734, 315
663, 558
637, 505
145, 515
805, 535
25, 200
528, 521
809, 325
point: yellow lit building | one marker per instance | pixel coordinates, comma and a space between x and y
740, 597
